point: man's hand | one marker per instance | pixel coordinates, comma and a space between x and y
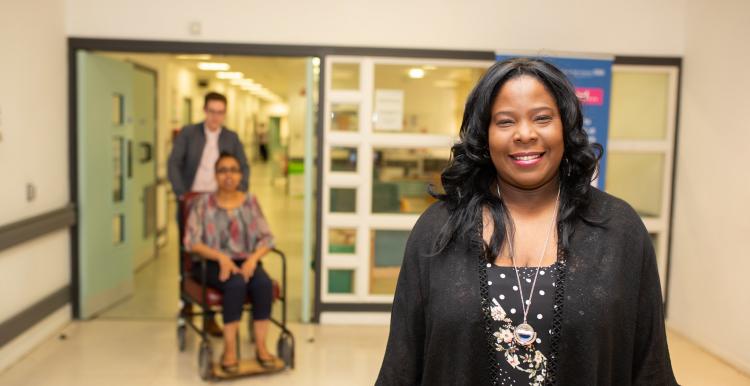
226, 268
248, 269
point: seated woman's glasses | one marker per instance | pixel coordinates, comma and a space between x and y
227, 170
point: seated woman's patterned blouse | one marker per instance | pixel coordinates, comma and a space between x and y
236, 232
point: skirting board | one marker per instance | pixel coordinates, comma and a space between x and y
356, 318
23, 344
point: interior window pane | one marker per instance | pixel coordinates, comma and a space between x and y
639, 105
402, 176
385, 260
340, 281
118, 105
118, 229
343, 159
342, 241
118, 166
344, 117
345, 76
641, 189
421, 99
343, 200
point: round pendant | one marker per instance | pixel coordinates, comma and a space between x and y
524, 334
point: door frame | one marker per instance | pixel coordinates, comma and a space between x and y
218, 48
155, 149
676, 63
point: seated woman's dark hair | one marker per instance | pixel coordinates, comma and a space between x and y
470, 174
224, 155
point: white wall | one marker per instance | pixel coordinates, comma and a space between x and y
710, 291
33, 149
33, 112
613, 26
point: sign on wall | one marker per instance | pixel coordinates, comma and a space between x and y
389, 110
592, 79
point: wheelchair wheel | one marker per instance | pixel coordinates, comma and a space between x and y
181, 337
285, 349
205, 357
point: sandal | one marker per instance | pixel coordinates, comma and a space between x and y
229, 369
269, 363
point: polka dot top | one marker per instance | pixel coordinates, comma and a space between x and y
519, 364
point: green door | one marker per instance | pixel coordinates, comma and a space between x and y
106, 196
143, 224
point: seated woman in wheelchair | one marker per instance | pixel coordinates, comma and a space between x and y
228, 230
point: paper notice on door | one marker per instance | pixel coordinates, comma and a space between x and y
389, 110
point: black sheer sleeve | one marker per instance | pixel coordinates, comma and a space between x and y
651, 364
404, 355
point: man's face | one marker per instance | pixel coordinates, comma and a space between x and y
215, 111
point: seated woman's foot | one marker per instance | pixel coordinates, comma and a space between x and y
267, 361
231, 365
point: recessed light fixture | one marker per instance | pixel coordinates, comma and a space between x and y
213, 66
194, 57
416, 73
229, 75
254, 87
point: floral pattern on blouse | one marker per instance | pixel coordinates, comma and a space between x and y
523, 358
236, 232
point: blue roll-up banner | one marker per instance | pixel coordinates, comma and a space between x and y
592, 79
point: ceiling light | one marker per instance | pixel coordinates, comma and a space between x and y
213, 66
229, 75
243, 83
416, 73
194, 57
252, 87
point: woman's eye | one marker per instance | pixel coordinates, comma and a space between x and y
543, 118
504, 122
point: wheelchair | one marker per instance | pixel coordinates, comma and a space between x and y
195, 292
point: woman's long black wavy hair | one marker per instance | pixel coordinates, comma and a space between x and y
470, 175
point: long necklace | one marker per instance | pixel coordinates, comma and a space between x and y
524, 334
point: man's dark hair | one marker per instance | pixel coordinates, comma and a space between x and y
214, 96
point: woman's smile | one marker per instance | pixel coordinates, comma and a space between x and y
527, 159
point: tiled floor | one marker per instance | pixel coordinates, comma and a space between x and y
144, 352
134, 342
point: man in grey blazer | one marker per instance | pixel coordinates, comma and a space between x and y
194, 154
198, 146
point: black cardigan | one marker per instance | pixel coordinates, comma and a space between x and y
609, 324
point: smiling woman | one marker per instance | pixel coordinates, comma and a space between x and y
526, 134
523, 273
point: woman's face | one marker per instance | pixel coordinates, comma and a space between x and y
525, 134
228, 174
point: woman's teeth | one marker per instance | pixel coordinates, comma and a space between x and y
527, 157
